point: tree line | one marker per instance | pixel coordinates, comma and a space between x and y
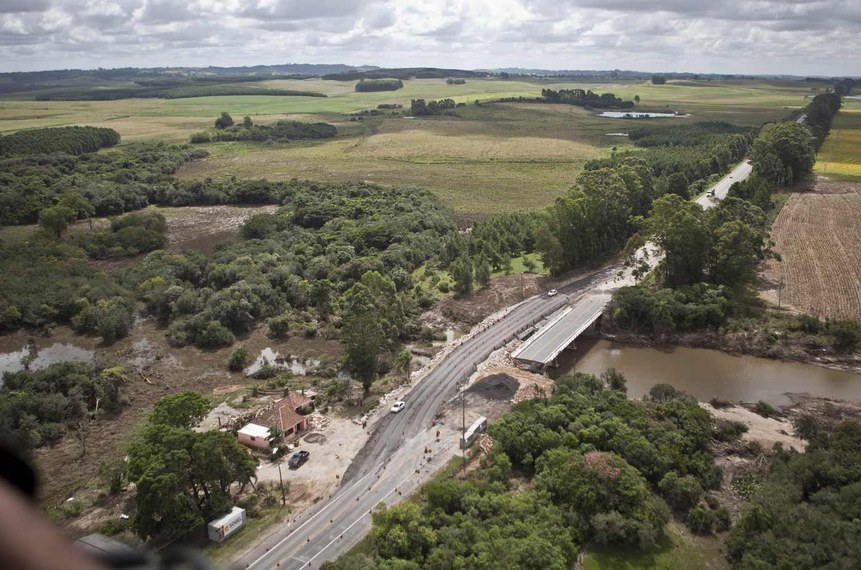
68, 140
819, 114
281, 131
584, 465
585, 98
159, 92
113, 183
369, 85
420, 107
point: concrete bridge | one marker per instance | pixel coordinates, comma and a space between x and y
548, 343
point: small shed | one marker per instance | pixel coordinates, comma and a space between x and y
255, 436
221, 528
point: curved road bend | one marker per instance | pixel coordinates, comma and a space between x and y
392, 462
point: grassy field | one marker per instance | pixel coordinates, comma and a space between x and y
840, 155
679, 551
486, 160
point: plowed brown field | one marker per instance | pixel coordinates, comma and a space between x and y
818, 236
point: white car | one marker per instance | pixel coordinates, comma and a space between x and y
398, 406
552, 293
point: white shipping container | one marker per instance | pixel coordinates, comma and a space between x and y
220, 529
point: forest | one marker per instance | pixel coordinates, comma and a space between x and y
193, 89
583, 465
281, 131
38, 407
420, 107
711, 256
68, 140
585, 98
806, 512
112, 182
369, 85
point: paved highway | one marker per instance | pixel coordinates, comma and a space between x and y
738, 174
393, 463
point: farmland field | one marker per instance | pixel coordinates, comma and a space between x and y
840, 155
486, 160
818, 237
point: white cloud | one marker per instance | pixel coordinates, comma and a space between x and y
732, 36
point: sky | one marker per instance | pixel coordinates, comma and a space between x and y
797, 37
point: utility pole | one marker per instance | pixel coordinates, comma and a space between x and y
463, 428
280, 478
780, 291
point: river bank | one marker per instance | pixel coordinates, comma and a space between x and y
759, 344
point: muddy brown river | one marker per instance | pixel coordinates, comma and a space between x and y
705, 374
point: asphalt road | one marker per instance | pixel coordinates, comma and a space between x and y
393, 463
389, 459
738, 174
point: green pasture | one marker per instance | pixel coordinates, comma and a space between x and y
840, 154
485, 160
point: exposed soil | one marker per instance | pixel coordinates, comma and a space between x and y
469, 310
495, 387
202, 228
818, 237
765, 431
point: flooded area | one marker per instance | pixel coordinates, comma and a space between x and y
41, 358
271, 358
707, 374
637, 115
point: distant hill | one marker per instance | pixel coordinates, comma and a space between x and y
43, 81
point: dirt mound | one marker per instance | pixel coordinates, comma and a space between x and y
495, 387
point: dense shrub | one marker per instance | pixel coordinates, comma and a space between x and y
38, 407
585, 98
68, 140
805, 513
365, 85
282, 131
128, 235
238, 359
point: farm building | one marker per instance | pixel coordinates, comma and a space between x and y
254, 435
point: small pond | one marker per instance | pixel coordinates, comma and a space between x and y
44, 357
638, 115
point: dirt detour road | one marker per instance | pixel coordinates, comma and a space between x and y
818, 236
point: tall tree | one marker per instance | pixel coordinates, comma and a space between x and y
362, 333
678, 227
183, 409
56, 219
792, 144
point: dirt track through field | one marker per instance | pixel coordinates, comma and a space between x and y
818, 236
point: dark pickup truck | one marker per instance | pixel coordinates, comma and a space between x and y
298, 459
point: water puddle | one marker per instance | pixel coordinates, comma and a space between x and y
44, 357
268, 357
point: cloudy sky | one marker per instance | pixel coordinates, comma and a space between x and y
801, 37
